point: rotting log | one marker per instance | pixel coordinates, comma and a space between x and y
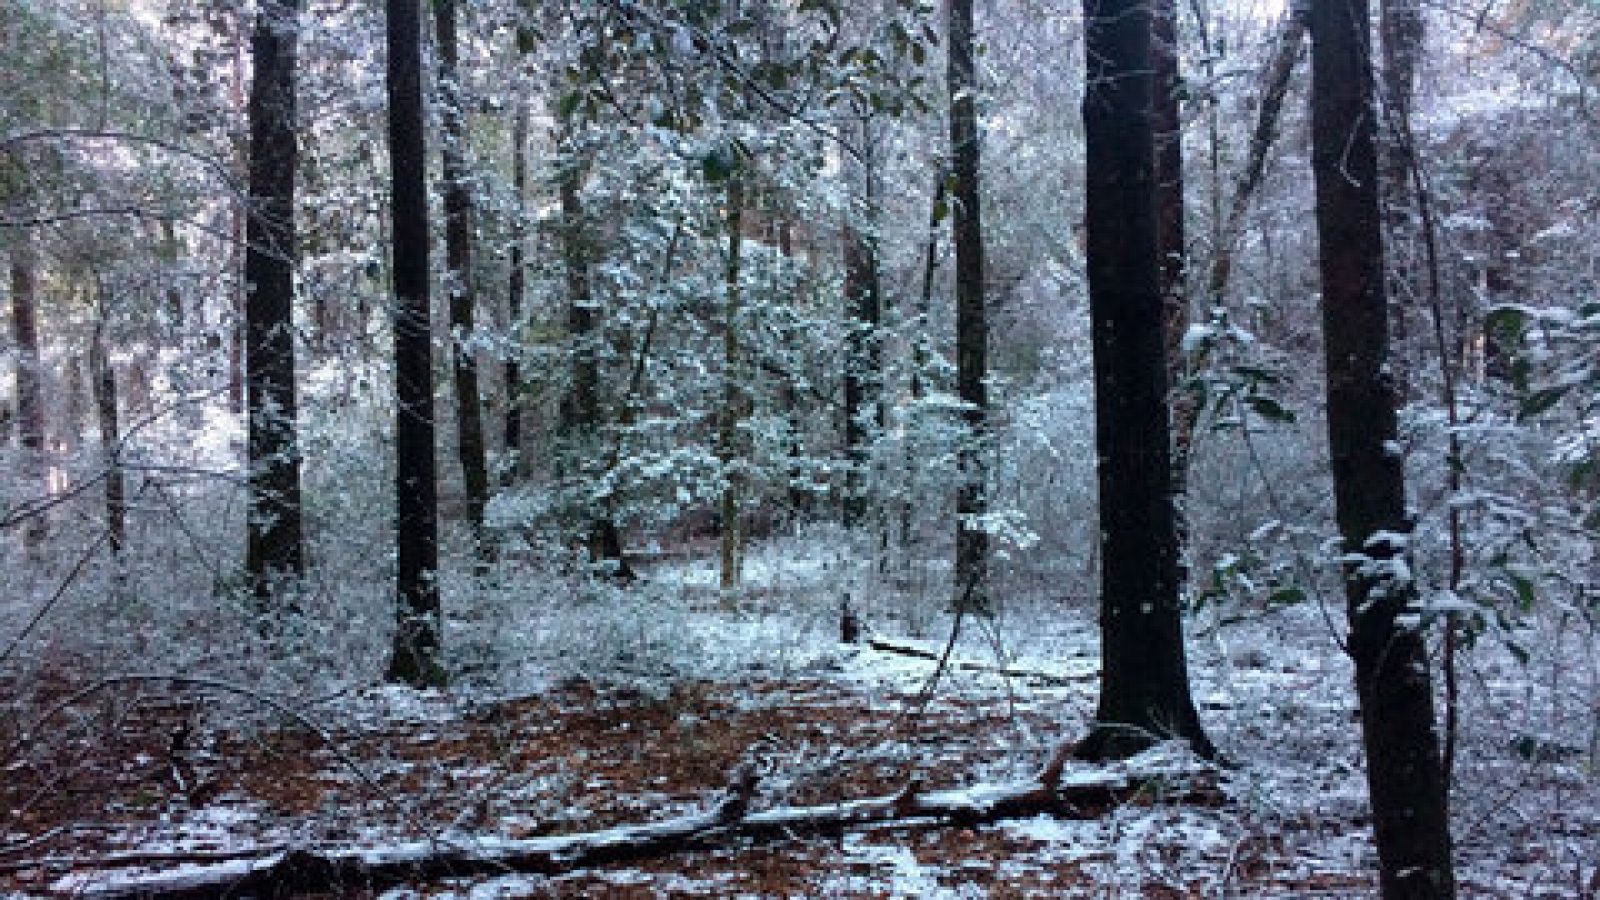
1060, 787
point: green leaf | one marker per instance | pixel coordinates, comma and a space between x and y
1541, 400
1287, 596
1268, 408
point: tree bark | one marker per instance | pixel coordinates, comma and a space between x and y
458, 214
30, 374
972, 330
1172, 249
732, 397
1404, 771
580, 409
1401, 26
105, 396
516, 289
864, 359
1144, 691
415, 658
274, 555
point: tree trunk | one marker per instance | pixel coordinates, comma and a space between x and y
1402, 30
105, 396
459, 279
580, 410
864, 359
1172, 248
732, 397
275, 545
1404, 772
516, 283
416, 637
1144, 691
30, 373
1186, 411
972, 330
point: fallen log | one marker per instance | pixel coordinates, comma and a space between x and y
1055, 789
1038, 676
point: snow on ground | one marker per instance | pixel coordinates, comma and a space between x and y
629, 707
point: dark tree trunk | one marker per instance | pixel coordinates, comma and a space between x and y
105, 396
30, 372
1144, 691
274, 553
730, 419
580, 409
516, 284
416, 639
1404, 772
1172, 249
863, 363
171, 251
458, 276
972, 330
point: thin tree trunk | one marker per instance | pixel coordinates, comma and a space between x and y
105, 395
1144, 691
516, 283
459, 278
415, 658
1291, 45
30, 372
1401, 26
919, 360
732, 398
863, 364
1404, 770
274, 550
972, 330
580, 411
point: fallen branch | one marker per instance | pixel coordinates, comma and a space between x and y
1053, 790
1052, 679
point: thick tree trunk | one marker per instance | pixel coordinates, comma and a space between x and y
972, 330
1173, 250
1144, 691
30, 373
732, 398
1404, 771
415, 659
459, 278
274, 554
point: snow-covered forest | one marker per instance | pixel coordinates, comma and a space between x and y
800, 448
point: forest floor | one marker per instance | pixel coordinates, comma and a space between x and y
148, 776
